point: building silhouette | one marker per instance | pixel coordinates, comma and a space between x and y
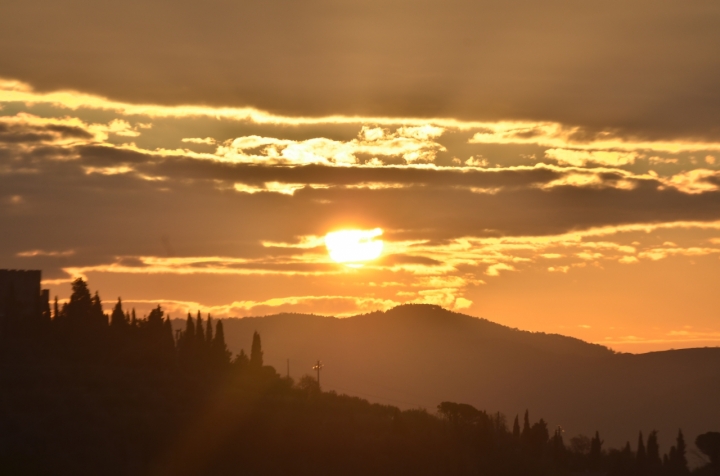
21, 295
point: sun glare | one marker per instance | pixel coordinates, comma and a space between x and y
354, 247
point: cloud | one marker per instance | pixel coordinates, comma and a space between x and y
559, 269
198, 140
27, 129
246, 143
12, 91
580, 158
494, 270
568, 143
271, 187
576, 66
574, 145
656, 254
628, 260
338, 306
477, 162
669, 339
413, 145
257, 207
34, 253
695, 181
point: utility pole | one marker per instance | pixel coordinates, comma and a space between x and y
318, 366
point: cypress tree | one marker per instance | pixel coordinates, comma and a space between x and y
96, 311
56, 309
187, 343
168, 342
558, 447
526, 426
209, 331
199, 332
596, 449
256, 353
627, 451
189, 328
681, 453
653, 450
117, 318
627, 461
669, 460
641, 456
678, 460
516, 429
221, 354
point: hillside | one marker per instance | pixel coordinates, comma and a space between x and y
419, 355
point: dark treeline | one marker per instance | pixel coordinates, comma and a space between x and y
83, 391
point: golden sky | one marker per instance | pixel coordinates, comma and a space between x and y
552, 166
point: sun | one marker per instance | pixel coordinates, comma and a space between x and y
354, 247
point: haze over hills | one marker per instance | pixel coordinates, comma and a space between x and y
420, 355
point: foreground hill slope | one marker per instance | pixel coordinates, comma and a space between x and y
420, 355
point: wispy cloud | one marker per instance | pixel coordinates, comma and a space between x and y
55, 254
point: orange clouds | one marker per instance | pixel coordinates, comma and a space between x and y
249, 195
412, 144
449, 269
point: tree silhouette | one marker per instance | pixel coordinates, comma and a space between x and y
241, 360
93, 402
186, 344
220, 352
653, 460
79, 308
516, 429
596, 450
525, 435
256, 353
97, 315
709, 444
167, 342
190, 328
558, 450
209, 331
538, 438
677, 460
117, 318
624, 464
199, 334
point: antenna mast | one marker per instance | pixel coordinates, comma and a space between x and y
318, 367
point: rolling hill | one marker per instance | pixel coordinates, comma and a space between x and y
420, 355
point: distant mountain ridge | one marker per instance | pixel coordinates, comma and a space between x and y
555, 343
420, 355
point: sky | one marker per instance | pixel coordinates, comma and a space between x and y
552, 166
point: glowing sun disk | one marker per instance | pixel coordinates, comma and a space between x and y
352, 247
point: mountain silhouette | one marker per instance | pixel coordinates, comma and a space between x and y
420, 355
